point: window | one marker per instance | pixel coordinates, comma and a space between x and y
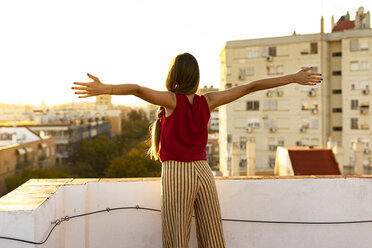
253, 105
271, 70
279, 69
353, 45
313, 48
272, 51
274, 70
354, 123
358, 45
243, 142
241, 74
364, 85
271, 104
253, 52
337, 110
280, 141
269, 123
314, 123
354, 104
354, 66
359, 65
243, 162
336, 73
337, 129
229, 138
364, 65
250, 71
253, 123
337, 54
363, 45
337, 91
271, 161
353, 85
228, 70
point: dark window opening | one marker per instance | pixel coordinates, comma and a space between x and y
253, 105
336, 73
337, 91
337, 110
272, 51
314, 48
337, 129
337, 54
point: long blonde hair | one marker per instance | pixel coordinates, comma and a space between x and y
183, 78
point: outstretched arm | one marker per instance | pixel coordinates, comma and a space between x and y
162, 98
218, 98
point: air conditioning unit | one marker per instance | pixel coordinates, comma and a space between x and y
272, 129
314, 111
302, 129
367, 151
298, 143
249, 129
243, 146
312, 92
363, 111
269, 93
269, 58
241, 77
365, 91
279, 92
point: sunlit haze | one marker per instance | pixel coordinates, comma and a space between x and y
47, 45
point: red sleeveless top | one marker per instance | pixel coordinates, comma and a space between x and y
184, 134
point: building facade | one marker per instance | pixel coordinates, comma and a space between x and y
69, 136
298, 115
22, 148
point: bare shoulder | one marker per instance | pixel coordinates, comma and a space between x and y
161, 98
208, 98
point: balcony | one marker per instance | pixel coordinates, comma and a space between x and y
28, 212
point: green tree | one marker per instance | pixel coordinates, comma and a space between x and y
135, 129
135, 163
94, 156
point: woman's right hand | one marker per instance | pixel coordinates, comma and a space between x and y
94, 88
306, 77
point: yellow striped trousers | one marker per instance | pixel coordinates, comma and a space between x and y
188, 187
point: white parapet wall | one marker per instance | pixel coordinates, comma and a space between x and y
28, 212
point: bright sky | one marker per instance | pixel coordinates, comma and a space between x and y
46, 45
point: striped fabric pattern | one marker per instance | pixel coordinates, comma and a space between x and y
188, 187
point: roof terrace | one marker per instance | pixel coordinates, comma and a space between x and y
320, 202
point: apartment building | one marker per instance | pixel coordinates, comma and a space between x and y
69, 136
297, 115
21, 148
214, 118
